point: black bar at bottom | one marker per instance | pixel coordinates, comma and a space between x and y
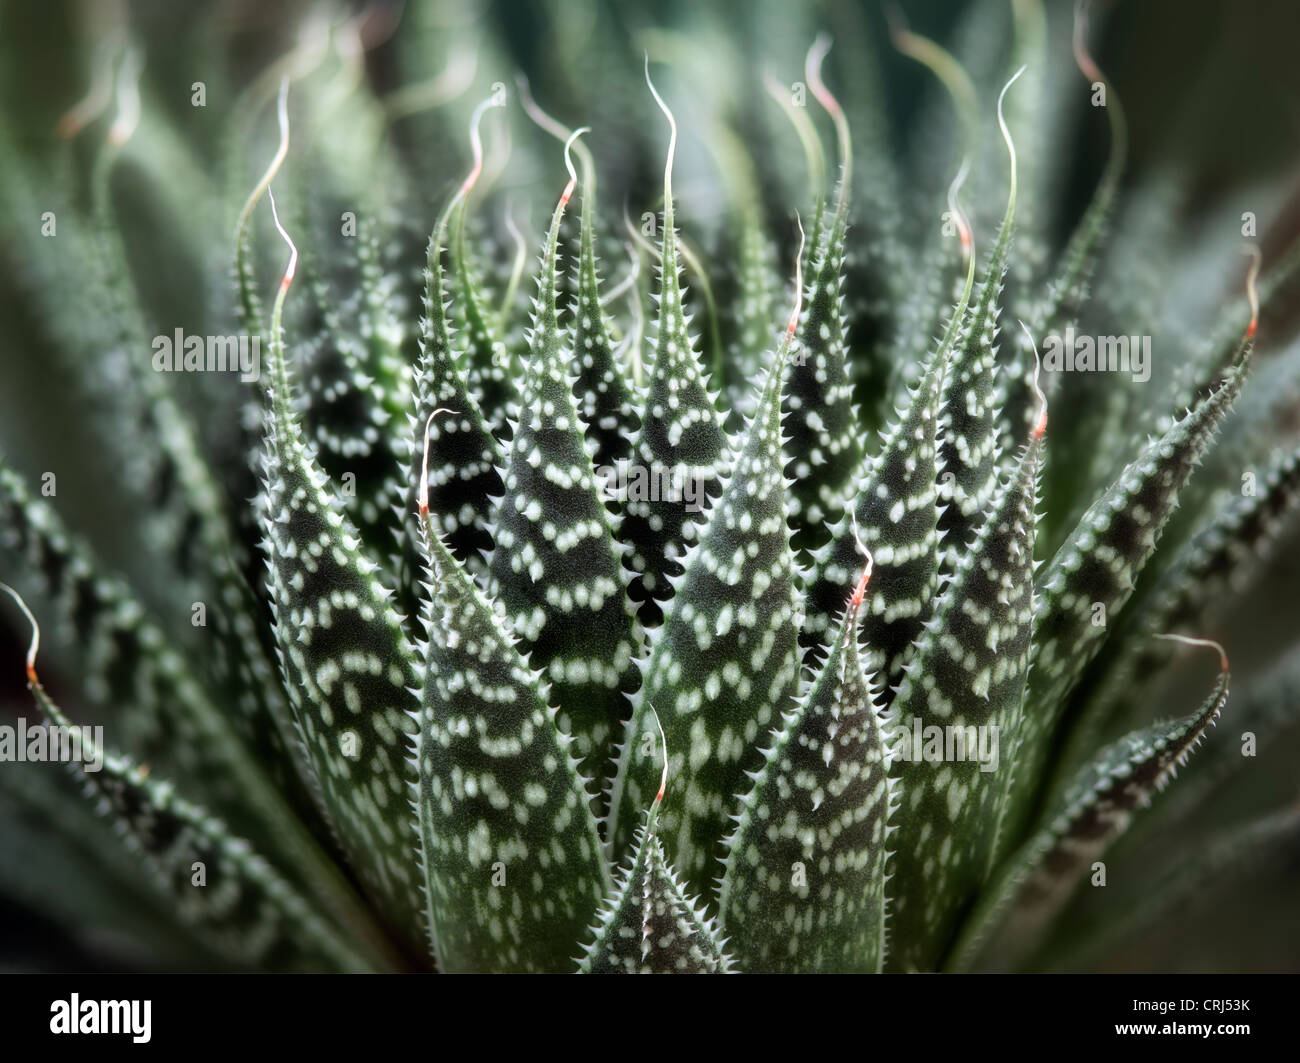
399, 1014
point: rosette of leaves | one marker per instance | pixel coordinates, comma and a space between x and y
585, 634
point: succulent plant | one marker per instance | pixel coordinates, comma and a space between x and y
680, 624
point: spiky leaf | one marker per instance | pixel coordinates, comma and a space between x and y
219, 883
724, 662
680, 440
1096, 807
804, 885
650, 925
965, 683
512, 864
555, 568
1092, 574
346, 660
894, 511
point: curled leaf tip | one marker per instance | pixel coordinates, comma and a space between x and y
437, 90
497, 99
422, 492
941, 63
798, 283
35, 644
1252, 292
804, 130
476, 141
376, 23
92, 104
1006, 132
282, 116
534, 110
530, 105
128, 99
1082, 57
1188, 640
1114, 110
855, 600
1040, 421
672, 138
663, 775
897, 22
958, 215
290, 270
568, 164
813, 72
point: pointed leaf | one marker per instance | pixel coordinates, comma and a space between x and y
1222, 558
488, 364
824, 446
347, 663
725, 661
462, 476
804, 886
604, 394
218, 882
358, 392
895, 509
167, 718
681, 437
650, 925
968, 437
967, 680
1092, 575
555, 568
512, 864
1096, 807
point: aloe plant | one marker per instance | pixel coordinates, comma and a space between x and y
821, 634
